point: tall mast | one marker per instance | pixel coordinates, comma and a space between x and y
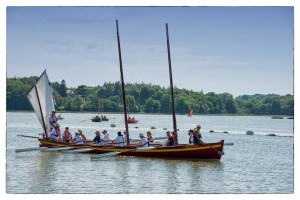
123, 85
171, 85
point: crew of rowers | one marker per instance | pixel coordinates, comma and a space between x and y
120, 140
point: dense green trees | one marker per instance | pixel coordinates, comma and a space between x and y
148, 98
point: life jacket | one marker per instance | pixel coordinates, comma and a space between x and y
67, 135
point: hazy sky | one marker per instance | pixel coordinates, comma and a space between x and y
240, 50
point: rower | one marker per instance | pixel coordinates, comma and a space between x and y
143, 142
67, 137
97, 139
119, 141
78, 139
55, 133
170, 142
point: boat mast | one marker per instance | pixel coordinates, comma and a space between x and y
171, 85
44, 126
123, 85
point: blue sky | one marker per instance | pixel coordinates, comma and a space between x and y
240, 50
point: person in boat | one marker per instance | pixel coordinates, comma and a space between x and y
191, 134
82, 135
106, 138
150, 138
143, 142
170, 141
78, 139
197, 135
174, 136
119, 141
125, 137
52, 120
55, 134
97, 139
67, 136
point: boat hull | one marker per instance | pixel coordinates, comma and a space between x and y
209, 151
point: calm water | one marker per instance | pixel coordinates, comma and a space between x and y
255, 164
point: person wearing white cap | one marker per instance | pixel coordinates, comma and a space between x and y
82, 135
197, 136
143, 142
55, 134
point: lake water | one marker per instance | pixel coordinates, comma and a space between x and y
256, 163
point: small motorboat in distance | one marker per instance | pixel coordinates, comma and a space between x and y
132, 120
96, 119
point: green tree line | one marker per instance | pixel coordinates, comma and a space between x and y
147, 98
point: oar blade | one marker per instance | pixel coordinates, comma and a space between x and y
105, 155
57, 149
30, 149
78, 150
221, 153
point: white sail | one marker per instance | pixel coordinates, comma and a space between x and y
40, 97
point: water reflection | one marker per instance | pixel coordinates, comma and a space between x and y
44, 173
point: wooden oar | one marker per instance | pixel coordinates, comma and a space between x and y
78, 150
58, 148
229, 144
29, 136
30, 149
221, 153
160, 138
118, 152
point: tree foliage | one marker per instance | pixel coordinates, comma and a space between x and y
148, 98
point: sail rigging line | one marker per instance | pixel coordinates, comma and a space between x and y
171, 85
122, 83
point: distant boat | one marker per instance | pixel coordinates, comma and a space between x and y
290, 118
276, 117
99, 119
132, 120
60, 117
96, 119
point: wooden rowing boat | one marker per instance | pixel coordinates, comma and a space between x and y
210, 151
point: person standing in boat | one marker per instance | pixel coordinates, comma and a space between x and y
53, 120
143, 142
170, 142
105, 136
78, 139
67, 136
55, 134
197, 135
119, 141
150, 138
97, 139
82, 135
